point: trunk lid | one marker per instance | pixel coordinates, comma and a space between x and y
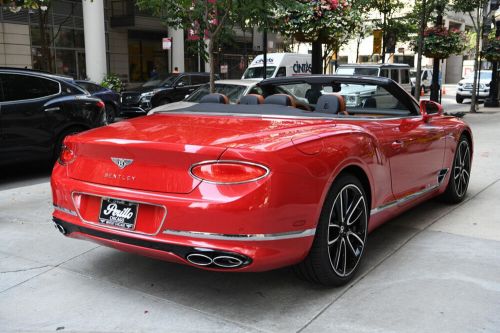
159, 150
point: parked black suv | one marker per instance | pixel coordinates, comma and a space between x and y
37, 110
161, 90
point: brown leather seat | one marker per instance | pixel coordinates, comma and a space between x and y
280, 99
251, 99
215, 98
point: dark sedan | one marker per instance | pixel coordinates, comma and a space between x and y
110, 98
160, 90
38, 110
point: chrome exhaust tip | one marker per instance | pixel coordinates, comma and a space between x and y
227, 261
60, 228
199, 259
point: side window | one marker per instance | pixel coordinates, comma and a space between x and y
404, 76
184, 81
18, 87
395, 75
384, 73
281, 72
424, 76
199, 79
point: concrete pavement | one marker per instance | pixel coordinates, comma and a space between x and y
435, 268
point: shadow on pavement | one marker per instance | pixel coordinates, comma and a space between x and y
24, 174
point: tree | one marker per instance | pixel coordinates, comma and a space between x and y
478, 12
330, 22
210, 19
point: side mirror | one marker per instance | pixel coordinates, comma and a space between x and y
430, 109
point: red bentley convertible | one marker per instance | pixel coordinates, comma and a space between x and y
298, 176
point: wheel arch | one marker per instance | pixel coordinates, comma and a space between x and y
359, 173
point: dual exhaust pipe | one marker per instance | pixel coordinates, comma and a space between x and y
61, 229
217, 259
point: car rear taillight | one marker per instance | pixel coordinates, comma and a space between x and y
67, 154
228, 172
100, 105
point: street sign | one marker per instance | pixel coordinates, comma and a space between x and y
223, 69
377, 41
167, 43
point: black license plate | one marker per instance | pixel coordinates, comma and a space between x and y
118, 213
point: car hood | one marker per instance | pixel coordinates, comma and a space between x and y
170, 107
471, 80
140, 90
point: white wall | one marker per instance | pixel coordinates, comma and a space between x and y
15, 45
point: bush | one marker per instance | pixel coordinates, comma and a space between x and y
440, 42
113, 82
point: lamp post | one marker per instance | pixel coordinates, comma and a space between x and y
492, 100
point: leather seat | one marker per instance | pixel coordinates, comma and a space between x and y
280, 99
251, 99
331, 103
215, 98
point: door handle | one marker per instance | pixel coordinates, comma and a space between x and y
55, 108
397, 144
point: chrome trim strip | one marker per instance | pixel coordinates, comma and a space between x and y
404, 199
65, 210
243, 237
228, 161
99, 225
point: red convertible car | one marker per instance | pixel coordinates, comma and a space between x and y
298, 176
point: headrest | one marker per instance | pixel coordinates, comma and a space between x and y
331, 103
280, 99
251, 99
215, 98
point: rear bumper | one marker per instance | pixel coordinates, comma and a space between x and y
262, 238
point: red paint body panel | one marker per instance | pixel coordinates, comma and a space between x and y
304, 157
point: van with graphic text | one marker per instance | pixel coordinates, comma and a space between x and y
279, 64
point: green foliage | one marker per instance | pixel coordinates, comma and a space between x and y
492, 51
331, 22
440, 42
113, 82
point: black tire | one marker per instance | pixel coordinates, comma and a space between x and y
60, 140
110, 113
336, 238
459, 173
459, 99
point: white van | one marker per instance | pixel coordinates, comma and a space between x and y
279, 64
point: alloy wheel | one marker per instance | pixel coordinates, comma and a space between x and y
461, 168
347, 229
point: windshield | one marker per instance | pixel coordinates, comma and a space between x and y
484, 76
258, 72
232, 91
160, 80
371, 71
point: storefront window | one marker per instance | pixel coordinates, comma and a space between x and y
144, 55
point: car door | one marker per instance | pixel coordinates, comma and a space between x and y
26, 131
414, 148
182, 87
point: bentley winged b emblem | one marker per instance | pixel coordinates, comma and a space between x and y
121, 162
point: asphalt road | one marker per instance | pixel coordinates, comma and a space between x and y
435, 268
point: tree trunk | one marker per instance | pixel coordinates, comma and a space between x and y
212, 64
473, 99
46, 61
423, 23
435, 86
317, 59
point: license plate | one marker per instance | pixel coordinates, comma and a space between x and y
118, 213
